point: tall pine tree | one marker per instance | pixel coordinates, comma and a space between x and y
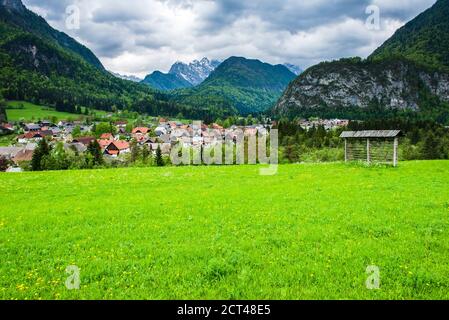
159, 159
42, 150
94, 150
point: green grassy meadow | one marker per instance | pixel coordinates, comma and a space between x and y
33, 112
308, 232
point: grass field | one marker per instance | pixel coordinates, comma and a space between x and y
32, 112
227, 233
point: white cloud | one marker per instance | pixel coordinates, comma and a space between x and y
141, 36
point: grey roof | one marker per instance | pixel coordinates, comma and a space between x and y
32, 126
371, 134
10, 151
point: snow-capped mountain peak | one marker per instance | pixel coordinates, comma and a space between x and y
196, 71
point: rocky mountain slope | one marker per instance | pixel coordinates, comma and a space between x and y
394, 80
195, 72
347, 88
182, 75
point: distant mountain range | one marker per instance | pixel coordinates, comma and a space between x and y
407, 76
182, 75
195, 72
240, 84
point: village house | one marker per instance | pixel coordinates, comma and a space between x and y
161, 130
84, 140
104, 143
141, 130
121, 124
34, 136
9, 152
31, 127
6, 128
17, 154
140, 134
116, 148
23, 155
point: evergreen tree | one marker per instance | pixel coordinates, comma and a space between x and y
4, 163
145, 153
134, 151
431, 148
3, 116
94, 150
42, 150
159, 160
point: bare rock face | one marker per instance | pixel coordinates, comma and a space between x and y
343, 84
13, 5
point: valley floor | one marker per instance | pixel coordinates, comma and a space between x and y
309, 232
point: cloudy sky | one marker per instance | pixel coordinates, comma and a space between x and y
140, 36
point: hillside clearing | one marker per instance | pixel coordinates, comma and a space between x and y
227, 233
33, 112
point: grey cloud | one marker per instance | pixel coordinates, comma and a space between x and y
298, 31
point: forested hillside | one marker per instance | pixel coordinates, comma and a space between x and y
239, 84
36, 67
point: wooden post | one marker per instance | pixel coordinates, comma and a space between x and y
395, 152
346, 150
368, 155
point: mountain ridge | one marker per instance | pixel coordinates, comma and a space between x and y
391, 82
246, 85
182, 75
35, 67
425, 39
165, 81
15, 13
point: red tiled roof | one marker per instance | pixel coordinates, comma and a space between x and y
143, 130
106, 136
121, 145
104, 143
37, 134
